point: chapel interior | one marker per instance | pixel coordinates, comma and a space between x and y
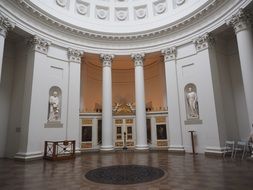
130, 94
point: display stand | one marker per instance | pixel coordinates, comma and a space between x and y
193, 144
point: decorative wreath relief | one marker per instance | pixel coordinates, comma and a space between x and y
61, 3
160, 8
180, 2
82, 9
141, 13
121, 15
101, 13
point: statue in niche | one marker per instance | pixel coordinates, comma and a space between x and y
191, 102
54, 107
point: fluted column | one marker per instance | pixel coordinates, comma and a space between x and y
107, 143
5, 26
175, 139
242, 26
140, 122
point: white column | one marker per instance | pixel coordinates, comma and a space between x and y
141, 126
72, 131
5, 25
153, 132
242, 26
176, 143
107, 143
94, 133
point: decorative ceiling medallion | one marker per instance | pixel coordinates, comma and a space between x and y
62, 3
180, 2
140, 13
82, 9
160, 8
102, 13
121, 15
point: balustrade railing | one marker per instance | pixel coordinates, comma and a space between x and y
59, 150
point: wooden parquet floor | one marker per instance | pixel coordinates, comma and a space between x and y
182, 172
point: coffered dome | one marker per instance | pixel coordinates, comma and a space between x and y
120, 16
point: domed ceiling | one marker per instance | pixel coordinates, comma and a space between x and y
119, 16
120, 26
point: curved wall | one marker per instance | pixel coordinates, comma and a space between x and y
123, 89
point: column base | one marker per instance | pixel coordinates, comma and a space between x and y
176, 149
107, 148
141, 147
78, 151
214, 151
28, 156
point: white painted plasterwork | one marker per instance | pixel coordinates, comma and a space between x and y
39, 44
169, 53
75, 55
116, 37
240, 21
5, 25
203, 42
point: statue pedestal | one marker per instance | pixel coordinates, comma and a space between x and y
53, 124
193, 121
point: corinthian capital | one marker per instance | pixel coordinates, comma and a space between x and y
5, 25
74, 55
106, 60
138, 59
39, 44
204, 42
169, 53
240, 21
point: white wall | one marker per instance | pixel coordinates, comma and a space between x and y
44, 71
225, 79
16, 106
5, 92
193, 67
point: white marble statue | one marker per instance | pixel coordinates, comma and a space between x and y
54, 107
192, 101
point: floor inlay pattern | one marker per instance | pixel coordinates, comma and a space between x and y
124, 174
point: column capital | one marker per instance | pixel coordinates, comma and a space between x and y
5, 25
240, 21
106, 60
39, 44
203, 42
138, 59
169, 53
74, 55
